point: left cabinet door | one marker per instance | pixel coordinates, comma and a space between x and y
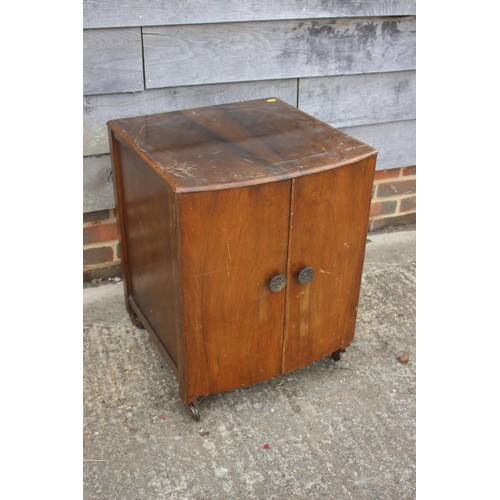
232, 243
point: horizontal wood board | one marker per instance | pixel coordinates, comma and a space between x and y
180, 55
112, 61
394, 141
98, 109
350, 100
98, 191
117, 13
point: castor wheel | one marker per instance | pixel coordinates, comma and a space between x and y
337, 355
135, 320
193, 411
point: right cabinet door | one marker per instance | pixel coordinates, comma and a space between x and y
329, 221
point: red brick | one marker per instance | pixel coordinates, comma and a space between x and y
100, 233
97, 216
383, 208
98, 255
408, 204
388, 172
398, 220
410, 171
393, 188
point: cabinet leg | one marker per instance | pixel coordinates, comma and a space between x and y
337, 355
193, 411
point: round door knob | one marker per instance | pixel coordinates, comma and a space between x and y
277, 283
305, 275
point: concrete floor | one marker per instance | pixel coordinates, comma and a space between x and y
342, 430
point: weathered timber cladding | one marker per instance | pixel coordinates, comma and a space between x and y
112, 61
98, 109
97, 183
213, 53
341, 101
349, 100
349, 63
120, 13
395, 142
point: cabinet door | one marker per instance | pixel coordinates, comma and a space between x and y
328, 233
233, 242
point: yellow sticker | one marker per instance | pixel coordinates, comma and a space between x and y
271, 100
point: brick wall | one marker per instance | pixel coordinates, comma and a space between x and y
393, 204
393, 198
101, 252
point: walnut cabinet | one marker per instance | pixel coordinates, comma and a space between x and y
242, 231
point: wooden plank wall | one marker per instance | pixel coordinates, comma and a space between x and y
349, 63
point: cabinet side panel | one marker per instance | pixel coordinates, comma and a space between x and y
120, 215
152, 249
233, 242
329, 226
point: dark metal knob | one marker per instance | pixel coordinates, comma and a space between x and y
305, 275
277, 283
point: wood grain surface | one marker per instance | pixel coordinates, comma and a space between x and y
360, 99
395, 142
180, 55
149, 241
328, 233
112, 61
233, 242
232, 145
97, 183
116, 13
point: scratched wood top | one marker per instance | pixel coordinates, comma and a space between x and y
236, 144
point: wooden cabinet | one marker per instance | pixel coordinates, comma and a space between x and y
243, 231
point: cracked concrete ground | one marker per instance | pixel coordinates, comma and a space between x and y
342, 430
